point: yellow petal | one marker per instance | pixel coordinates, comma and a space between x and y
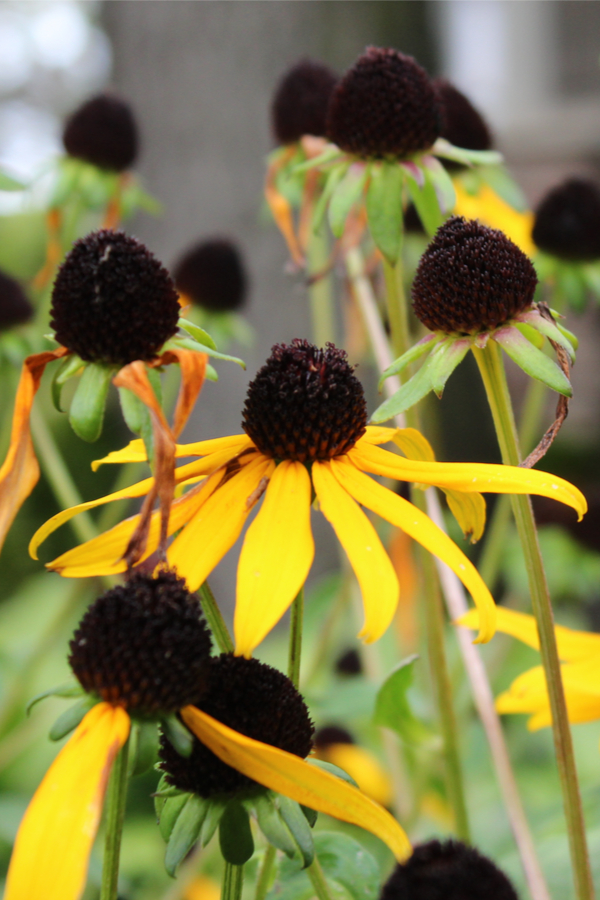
495, 212
103, 555
295, 778
528, 694
372, 566
55, 838
415, 523
364, 768
378, 434
468, 476
218, 523
572, 645
469, 510
135, 451
276, 557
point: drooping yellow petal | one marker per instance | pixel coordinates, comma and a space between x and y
218, 523
103, 555
495, 212
135, 450
276, 557
415, 523
372, 566
469, 477
55, 838
572, 645
295, 778
528, 694
363, 767
378, 434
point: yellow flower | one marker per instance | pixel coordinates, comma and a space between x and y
579, 652
305, 418
493, 211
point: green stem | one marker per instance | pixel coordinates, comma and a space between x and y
494, 378
215, 620
264, 876
320, 291
317, 877
396, 308
233, 881
58, 475
295, 648
115, 813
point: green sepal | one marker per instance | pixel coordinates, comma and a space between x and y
178, 735
214, 812
442, 183
68, 689
531, 333
346, 194
235, 836
426, 202
571, 287
500, 181
334, 177
333, 770
444, 359
410, 393
145, 750
8, 183
415, 352
591, 276
86, 414
134, 197
384, 208
572, 338
134, 411
444, 148
185, 831
188, 343
168, 810
210, 373
199, 334
327, 156
71, 717
392, 707
69, 367
164, 789
69, 172
299, 828
533, 361
551, 331
311, 815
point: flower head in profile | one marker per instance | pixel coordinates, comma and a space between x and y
301, 100
103, 132
142, 654
212, 275
448, 869
473, 285
566, 233
306, 438
115, 314
15, 308
579, 652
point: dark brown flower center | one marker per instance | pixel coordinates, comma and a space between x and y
385, 105
15, 308
113, 301
212, 275
301, 100
103, 132
254, 699
567, 221
463, 125
471, 279
305, 403
143, 645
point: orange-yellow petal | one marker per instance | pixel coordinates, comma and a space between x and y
372, 566
135, 450
295, 778
276, 557
415, 523
468, 477
55, 838
218, 523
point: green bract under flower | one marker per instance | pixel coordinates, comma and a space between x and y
473, 285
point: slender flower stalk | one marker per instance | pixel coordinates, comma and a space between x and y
115, 816
295, 650
457, 606
264, 875
317, 877
320, 290
233, 882
494, 379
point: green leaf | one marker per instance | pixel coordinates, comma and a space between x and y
299, 828
235, 836
87, 407
68, 689
190, 344
426, 203
384, 208
392, 708
146, 746
168, 810
178, 735
533, 361
346, 194
334, 177
69, 367
8, 183
71, 717
199, 334
185, 832
410, 393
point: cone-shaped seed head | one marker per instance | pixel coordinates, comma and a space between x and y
212, 275
300, 102
463, 125
15, 308
103, 132
567, 221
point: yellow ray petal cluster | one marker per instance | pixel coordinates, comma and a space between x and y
493, 211
53, 846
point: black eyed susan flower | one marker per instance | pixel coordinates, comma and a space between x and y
306, 436
103, 132
566, 232
142, 653
300, 102
473, 284
115, 312
211, 275
15, 308
579, 652
448, 869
